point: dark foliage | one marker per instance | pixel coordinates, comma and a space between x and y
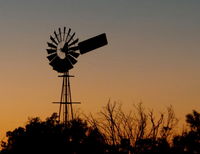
90, 137
51, 137
189, 141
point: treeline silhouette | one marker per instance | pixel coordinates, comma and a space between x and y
113, 131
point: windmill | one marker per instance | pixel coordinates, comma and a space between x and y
63, 51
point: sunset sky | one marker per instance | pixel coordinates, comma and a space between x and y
153, 56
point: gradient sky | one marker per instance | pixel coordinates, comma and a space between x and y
153, 56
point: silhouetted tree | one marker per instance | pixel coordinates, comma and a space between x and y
193, 120
136, 132
51, 137
189, 141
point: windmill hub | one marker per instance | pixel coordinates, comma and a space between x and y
63, 51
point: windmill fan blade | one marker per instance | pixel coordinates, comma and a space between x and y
72, 59
68, 34
93, 43
60, 69
60, 34
50, 51
51, 57
56, 36
74, 42
64, 33
68, 64
65, 48
73, 48
60, 66
53, 40
54, 61
51, 45
74, 54
71, 37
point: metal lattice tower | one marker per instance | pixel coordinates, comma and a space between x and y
66, 104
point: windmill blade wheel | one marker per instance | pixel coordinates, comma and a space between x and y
61, 50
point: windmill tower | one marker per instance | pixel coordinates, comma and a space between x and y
63, 51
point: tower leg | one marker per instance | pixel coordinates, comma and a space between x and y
70, 98
61, 100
